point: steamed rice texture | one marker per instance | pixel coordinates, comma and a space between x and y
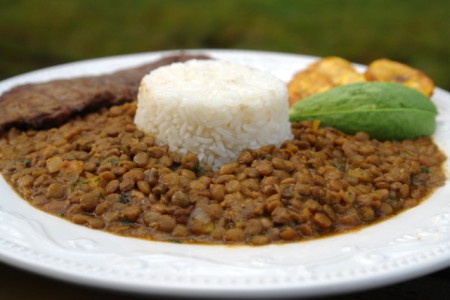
214, 109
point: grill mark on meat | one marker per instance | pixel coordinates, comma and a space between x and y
49, 104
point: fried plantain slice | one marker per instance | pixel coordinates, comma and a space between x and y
321, 76
307, 83
391, 71
338, 70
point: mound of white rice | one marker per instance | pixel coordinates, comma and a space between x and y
214, 109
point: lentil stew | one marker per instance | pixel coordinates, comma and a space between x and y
100, 171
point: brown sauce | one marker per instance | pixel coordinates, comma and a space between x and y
100, 171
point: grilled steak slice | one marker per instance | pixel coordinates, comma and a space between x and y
50, 104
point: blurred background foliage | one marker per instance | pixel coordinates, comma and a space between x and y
35, 34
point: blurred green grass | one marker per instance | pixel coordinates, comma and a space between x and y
35, 34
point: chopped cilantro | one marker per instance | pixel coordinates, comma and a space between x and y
113, 161
198, 170
175, 166
339, 166
78, 183
425, 170
25, 161
123, 199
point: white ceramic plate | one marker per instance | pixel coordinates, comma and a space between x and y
412, 244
